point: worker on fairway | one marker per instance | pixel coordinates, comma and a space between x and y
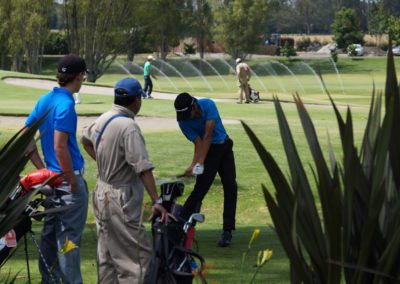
148, 73
243, 74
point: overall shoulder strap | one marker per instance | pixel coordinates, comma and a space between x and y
105, 125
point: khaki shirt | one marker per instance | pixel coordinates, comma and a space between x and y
121, 154
243, 72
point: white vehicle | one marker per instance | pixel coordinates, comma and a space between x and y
358, 49
396, 50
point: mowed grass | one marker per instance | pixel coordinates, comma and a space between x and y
171, 153
349, 81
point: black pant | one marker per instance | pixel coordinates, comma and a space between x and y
219, 160
148, 85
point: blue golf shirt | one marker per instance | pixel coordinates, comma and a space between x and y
195, 127
62, 117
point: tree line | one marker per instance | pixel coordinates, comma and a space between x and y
100, 30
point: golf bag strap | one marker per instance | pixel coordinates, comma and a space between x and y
194, 254
105, 125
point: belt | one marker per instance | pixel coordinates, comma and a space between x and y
223, 141
79, 172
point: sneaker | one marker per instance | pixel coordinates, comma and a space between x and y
247, 102
226, 238
150, 97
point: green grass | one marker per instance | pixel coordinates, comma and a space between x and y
352, 85
171, 153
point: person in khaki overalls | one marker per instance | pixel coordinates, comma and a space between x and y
243, 75
115, 141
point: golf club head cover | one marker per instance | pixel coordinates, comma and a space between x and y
39, 177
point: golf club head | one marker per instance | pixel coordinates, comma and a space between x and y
198, 217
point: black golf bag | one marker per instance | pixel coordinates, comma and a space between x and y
174, 260
23, 225
254, 95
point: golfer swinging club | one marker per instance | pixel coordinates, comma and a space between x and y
200, 122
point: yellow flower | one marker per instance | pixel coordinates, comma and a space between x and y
264, 256
254, 236
68, 246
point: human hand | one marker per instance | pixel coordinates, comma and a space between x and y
73, 184
189, 172
198, 169
158, 209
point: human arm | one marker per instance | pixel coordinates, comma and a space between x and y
248, 72
32, 148
86, 142
34, 155
152, 74
64, 157
201, 147
35, 158
150, 185
90, 150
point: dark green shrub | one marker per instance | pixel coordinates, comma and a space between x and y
303, 44
189, 48
288, 40
56, 43
287, 50
351, 50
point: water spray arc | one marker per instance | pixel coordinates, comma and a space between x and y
271, 71
169, 80
190, 64
215, 70
337, 74
177, 72
291, 73
315, 75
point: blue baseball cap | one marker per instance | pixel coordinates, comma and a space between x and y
128, 87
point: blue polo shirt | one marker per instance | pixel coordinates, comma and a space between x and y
195, 127
62, 117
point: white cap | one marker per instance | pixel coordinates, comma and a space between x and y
238, 60
150, 57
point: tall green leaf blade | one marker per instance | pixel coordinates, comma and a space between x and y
284, 194
283, 229
14, 214
392, 100
310, 226
329, 192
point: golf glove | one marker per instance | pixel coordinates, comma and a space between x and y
198, 169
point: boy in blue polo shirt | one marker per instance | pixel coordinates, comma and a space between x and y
200, 122
61, 154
